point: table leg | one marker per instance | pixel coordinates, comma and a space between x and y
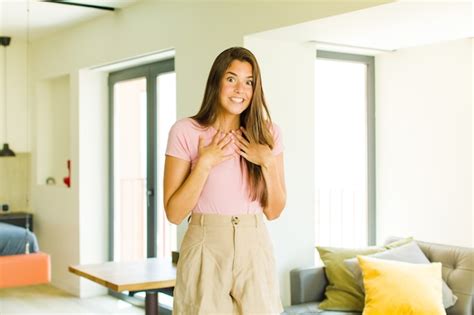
151, 303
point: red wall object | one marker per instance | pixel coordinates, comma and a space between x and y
67, 180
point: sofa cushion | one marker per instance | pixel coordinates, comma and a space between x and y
312, 308
410, 253
342, 292
393, 287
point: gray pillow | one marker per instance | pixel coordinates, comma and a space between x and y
410, 253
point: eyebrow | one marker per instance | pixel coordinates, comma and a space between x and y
251, 77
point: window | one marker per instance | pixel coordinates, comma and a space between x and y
345, 167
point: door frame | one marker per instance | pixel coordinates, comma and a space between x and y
150, 72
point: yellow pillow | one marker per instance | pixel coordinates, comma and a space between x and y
393, 287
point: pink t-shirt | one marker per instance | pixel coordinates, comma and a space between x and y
226, 190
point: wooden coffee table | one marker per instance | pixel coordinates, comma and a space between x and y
147, 275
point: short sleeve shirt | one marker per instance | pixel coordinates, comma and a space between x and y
226, 190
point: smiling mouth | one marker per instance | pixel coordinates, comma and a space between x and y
237, 99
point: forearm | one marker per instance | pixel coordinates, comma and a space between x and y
186, 197
276, 194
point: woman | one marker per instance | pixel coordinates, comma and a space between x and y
225, 166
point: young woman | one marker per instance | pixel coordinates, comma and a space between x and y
225, 166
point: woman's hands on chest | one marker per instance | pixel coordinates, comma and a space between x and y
215, 152
256, 153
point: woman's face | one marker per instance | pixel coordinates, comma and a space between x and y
236, 88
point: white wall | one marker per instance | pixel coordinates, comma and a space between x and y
56, 208
52, 133
16, 96
198, 32
424, 143
93, 173
56, 226
289, 92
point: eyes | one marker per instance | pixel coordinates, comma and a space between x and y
232, 79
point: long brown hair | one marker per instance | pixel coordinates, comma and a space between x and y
255, 119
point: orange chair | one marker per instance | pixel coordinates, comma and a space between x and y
25, 269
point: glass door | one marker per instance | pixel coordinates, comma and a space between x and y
166, 116
130, 170
138, 228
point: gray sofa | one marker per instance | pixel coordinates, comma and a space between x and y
308, 284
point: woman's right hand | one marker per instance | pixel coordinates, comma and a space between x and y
214, 153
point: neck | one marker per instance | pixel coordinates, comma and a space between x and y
227, 123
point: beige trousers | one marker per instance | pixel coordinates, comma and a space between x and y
226, 266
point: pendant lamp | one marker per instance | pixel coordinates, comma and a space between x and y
5, 151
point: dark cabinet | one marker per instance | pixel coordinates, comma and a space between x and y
18, 219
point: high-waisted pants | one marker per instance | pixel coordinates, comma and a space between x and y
226, 266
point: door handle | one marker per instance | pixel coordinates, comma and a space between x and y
150, 193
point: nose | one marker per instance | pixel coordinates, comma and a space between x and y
238, 87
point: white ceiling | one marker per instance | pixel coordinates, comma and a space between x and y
46, 17
389, 27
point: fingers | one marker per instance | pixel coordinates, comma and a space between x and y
240, 147
241, 140
227, 157
224, 141
242, 153
221, 140
242, 129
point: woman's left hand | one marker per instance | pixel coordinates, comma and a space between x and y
256, 153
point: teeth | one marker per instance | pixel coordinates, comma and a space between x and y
237, 99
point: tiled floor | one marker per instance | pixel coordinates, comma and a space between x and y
46, 299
